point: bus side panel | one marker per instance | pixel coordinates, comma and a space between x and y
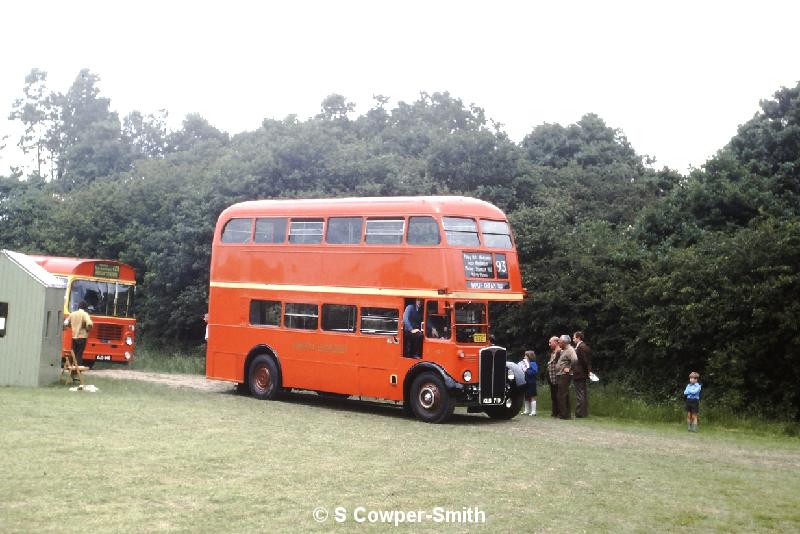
225, 366
364, 266
319, 361
377, 361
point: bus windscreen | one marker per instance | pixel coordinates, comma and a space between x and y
112, 299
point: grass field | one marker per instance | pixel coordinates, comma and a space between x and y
139, 457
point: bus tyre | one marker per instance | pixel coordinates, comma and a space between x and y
430, 401
509, 410
263, 378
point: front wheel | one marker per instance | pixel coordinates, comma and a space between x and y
430, 401
509, 410
263, 378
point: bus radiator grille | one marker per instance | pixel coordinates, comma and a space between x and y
110, 332
492, 372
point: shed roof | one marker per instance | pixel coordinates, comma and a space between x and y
36, 271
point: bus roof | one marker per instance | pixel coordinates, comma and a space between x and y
443, 205
83, 266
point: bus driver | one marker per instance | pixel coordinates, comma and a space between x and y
412, 330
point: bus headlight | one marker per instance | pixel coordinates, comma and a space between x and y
127, 355
129, 340
510, 375
467, 376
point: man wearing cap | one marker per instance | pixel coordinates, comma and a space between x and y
566, 360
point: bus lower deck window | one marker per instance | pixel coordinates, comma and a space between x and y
301, 316
379, 321
265, 312
338, 318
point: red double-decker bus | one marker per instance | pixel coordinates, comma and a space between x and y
310, 295
108, 288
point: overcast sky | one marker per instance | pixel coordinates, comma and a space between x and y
677, 77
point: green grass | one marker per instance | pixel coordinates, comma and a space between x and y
165, 360
147, 458
612, 401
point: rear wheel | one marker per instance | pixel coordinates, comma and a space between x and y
430, 401
509, 410
263, 378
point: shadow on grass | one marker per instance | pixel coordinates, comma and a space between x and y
357, 405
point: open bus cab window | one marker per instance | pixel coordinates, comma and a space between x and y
471, 324
437, 320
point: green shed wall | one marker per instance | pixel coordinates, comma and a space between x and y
27, 357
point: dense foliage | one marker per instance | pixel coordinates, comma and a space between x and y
666, 273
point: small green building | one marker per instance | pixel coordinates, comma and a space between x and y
31, 322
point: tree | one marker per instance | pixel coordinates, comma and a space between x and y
86, 140
335, 107
195, 131
146, 134
35, 111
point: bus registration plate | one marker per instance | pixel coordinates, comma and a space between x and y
479, 337
103, 357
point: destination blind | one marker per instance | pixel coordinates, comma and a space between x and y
106, 270
485, 266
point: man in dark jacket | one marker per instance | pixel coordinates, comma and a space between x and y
412, 330
580, 375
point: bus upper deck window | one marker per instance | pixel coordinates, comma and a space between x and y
237, 231
305, 231
385, 231
423, 231
461, 231
344, 230
496, 234
270, 230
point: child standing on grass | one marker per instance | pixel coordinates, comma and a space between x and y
531, 369
692, 394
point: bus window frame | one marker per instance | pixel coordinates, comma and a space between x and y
354, 307
283, 318
321, 234
392, 218
437, 220
476, 233
285, 231
225, 226
361, 233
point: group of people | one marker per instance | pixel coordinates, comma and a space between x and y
567, 365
